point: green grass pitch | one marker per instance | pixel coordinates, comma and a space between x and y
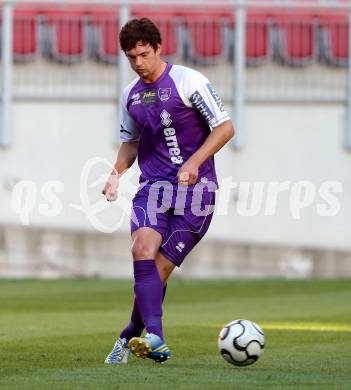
56, 334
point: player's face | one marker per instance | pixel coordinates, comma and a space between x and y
144, 60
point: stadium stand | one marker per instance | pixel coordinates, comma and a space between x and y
71, 34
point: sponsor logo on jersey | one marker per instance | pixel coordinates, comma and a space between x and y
200, 104
171, 138
164, 94
136, 99
216, 98
149, 96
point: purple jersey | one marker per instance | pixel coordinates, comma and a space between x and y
171, 118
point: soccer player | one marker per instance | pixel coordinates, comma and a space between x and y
174, 122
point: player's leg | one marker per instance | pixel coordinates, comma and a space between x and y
148, 287
183, 234
143, 234
120, 352
181, 240
165, 268
136, 324
148, 290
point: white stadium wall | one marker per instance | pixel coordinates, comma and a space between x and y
297, 145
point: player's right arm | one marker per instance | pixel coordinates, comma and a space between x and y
126, 156
127, 153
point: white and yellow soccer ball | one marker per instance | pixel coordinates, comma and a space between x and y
241, 342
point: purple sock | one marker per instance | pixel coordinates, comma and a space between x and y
136, 324
148, 291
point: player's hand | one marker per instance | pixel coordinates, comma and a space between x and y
111, 187
188, 173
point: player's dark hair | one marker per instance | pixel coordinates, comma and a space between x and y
139, 30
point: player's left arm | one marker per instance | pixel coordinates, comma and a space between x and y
201, 96
219, 136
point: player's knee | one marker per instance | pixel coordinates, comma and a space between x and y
142, 250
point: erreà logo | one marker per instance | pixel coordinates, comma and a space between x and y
171, 138
149, 97
136, 99
180, 246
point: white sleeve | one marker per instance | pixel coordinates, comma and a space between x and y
204, 98
129, 131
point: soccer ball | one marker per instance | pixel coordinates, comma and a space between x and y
241, 342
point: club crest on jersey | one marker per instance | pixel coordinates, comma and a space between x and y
149, 96
164, 94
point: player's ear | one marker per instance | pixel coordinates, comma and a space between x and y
159, 49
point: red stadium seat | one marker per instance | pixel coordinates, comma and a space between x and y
334, 39
66, 35
106, 27
25, 35
295, 39
170, 32
207, 37
257, 38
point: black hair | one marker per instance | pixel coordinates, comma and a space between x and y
139, 30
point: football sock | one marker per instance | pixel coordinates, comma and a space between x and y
148, 290
136, 324
149, 294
